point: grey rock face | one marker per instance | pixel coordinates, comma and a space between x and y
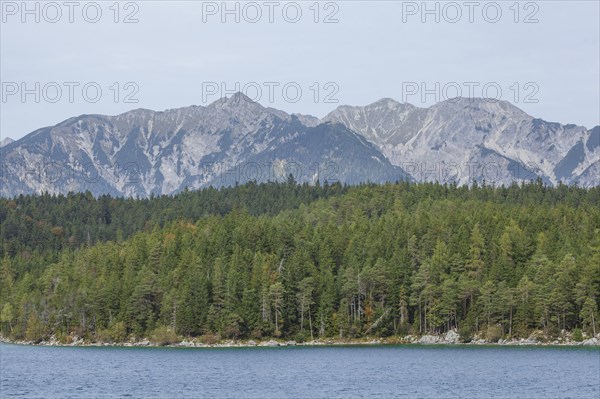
5, 141
143, 152
466, 139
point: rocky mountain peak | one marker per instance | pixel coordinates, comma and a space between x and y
490, 105
237, 101
6, 141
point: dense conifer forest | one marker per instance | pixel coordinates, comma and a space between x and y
302, 262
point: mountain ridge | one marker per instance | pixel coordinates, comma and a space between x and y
466, 129
142, 152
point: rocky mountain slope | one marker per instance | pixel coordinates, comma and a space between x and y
143, 152
5, 141
465, 139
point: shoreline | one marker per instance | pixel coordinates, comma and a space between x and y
425, 340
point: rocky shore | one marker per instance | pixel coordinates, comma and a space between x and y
450, 338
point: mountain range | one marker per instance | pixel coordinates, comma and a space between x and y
234, 140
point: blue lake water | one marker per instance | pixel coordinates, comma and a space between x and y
372, 371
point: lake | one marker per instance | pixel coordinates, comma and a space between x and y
366, 371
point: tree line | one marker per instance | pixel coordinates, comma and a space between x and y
302, 262
34, 223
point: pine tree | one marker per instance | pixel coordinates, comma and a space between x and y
276, 295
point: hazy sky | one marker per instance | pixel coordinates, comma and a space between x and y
183, 53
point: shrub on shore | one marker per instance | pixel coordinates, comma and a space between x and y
163, 335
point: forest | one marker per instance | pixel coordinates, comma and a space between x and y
302, 262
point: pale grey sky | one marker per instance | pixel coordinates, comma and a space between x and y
182, 53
